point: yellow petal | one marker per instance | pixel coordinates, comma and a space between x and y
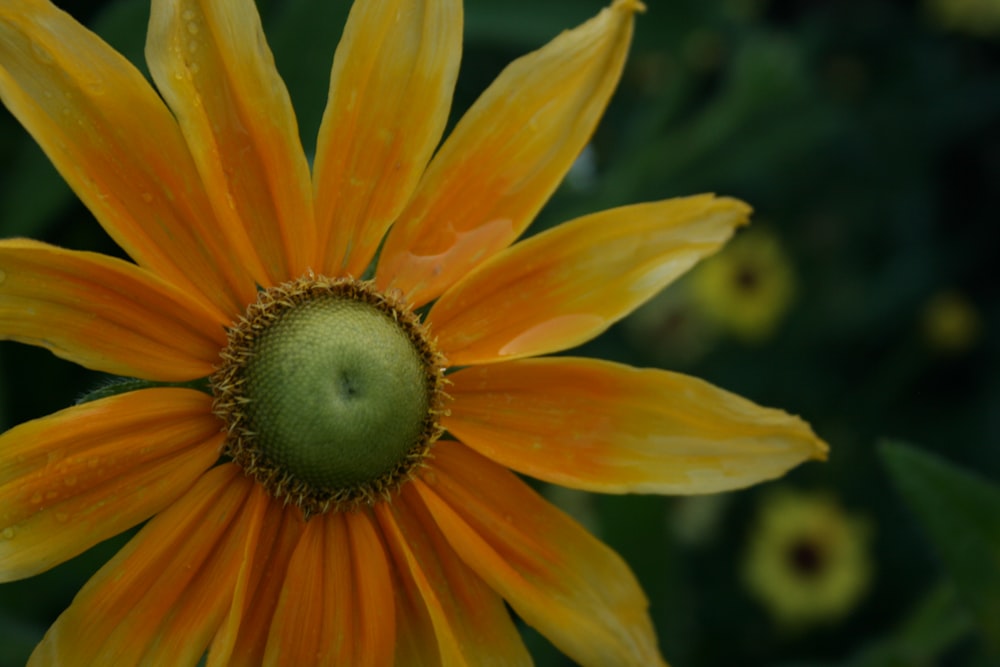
390, 93
87, 473
506, 157
336, 605
212, 65
104, 313
557, 577
119, 148
607, 427
241, 639
566, 285
162, 598
469, 622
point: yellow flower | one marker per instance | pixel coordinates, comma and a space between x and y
976, 17
950, 322
301, 508
748, 288
808, 561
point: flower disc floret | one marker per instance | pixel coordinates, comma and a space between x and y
330, 391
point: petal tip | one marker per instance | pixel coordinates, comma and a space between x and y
630, 6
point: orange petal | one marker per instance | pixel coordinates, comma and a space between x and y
566, 285
336, 606
506, 156
557, 577
606, 427
162, 598
87, 473
241, 640
212, 65
390, 92
469, 622
119, 148
104, 313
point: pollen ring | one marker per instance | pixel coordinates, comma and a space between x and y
331, 393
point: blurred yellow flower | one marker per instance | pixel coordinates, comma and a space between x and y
977, 17
950, 322
808, 561
748, 287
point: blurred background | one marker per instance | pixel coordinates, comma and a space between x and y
864, 297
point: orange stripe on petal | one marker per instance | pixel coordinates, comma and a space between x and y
390, 92
87, 473
470, 624
241, 640
180, 570
117, 145
104, 313
212, 64
566, 285
557, 577
506, 157
336, 606
612, 428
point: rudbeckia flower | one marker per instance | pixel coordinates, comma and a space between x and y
808, 560
748, 288
326, 464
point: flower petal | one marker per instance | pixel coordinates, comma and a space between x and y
506, 157
607, 427
469, 621
566, 285
87, 473
336, 605
162, 598
212, 65
119, 148
241, 640
104, 313
390, 92
557, 577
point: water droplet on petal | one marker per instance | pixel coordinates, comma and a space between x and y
147, 197
36, 497
3, 276
42, 53
70, 481
8, 533
62, 517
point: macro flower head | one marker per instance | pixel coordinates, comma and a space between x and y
340, 365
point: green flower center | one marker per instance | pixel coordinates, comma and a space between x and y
330, 391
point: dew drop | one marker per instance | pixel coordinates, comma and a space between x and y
62, 517
8, 533
96, 86
36, 497
42, 54
147, 197
3, 276
187, 14
192, 28
93, 462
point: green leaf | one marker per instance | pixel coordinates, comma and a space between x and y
960, 513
